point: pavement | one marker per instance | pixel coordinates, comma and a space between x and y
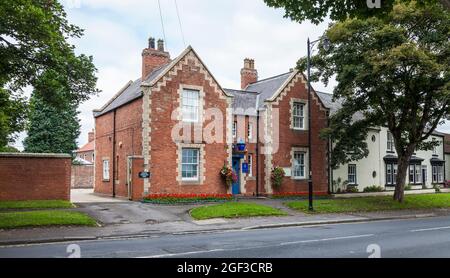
409, 238
124, 219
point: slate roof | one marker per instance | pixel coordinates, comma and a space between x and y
266, 88
244, 102
131, 92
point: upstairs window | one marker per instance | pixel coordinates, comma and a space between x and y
250, 131
298, 115
190, 106
390, 142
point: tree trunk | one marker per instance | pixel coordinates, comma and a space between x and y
403, 165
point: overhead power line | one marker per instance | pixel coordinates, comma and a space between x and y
179, 22
162, 23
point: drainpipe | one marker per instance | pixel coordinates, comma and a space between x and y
114, 155
257, 152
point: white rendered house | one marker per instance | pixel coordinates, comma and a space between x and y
379, 168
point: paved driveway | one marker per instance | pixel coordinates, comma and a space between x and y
79, 196
110, 211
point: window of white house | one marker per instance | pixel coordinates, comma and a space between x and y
438, 174
106, 170
390, 142
250, 131
415, 175
352, 174
190, 164
434, 148
250, 165
190, 105
391, 174
299, 165
234, 129
298, 115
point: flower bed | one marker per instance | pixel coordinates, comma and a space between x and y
186, 198
295, 195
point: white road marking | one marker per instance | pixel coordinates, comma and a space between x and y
430, 229
325, 239
180, 254
254, 247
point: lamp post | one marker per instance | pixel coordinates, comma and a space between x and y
326, 45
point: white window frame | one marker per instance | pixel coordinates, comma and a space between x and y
106, 173
191, 179
250, 131
352, 174
187, 108
390, 142
235, 129
438, 174
295, 165
298, 116
250, 165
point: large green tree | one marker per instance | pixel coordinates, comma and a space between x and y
34, 40
393, 72
318, 10
51, 129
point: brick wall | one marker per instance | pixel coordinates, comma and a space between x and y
128, 143
82, 176
290, 138
165, 153
34, 177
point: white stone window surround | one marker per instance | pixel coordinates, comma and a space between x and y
306, 171
294, 101
201, 103
201, 164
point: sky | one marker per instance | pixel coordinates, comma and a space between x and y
223, 32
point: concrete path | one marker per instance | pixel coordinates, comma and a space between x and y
79, 196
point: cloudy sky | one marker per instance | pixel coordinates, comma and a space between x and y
223, 32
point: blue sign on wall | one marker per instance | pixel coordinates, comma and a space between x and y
245, 168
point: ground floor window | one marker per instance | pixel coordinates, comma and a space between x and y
415, 174
106, 169
299, 165
250, 165
391, 173
352, 174
190, 164
438, 173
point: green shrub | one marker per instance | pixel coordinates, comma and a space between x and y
373, 188
277, 176
352, 189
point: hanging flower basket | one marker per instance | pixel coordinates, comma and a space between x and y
227, 175
241, 147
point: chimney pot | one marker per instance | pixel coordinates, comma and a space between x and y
161, 45
151, 43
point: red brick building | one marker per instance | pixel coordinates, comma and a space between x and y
86, 152
179, 124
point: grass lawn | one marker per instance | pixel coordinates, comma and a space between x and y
11, 220
9, 205
367, 204
234, 210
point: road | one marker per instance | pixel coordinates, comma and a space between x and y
428, 237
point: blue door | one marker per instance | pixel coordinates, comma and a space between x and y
236, 188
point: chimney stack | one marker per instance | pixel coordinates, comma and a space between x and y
153, 58
91, 136
248, 74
